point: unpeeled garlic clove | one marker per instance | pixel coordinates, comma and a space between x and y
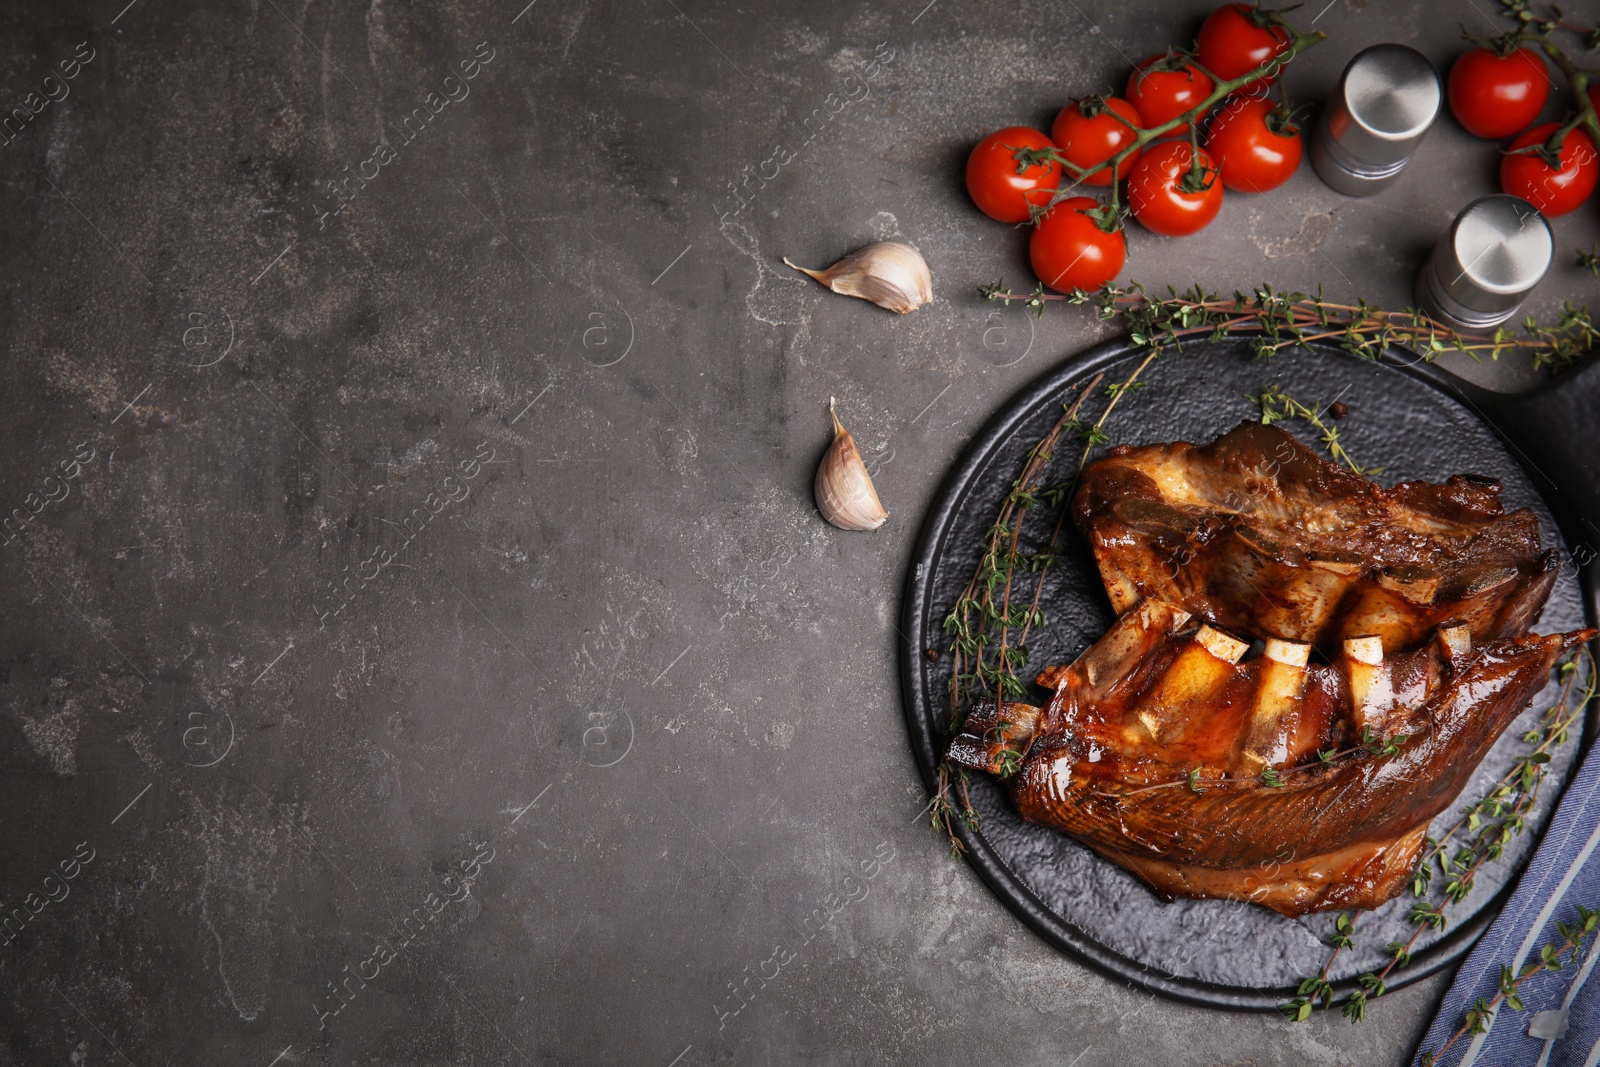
891, 274
843, 488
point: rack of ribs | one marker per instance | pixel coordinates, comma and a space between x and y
1216, 743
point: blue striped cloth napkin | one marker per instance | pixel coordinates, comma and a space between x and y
1559, 1022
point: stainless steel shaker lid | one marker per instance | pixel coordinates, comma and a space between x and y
1497, 249
1387, 98
1499, 244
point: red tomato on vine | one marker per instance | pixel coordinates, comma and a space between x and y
1004, 189
1164, 87
1257, 145
1069, 249
1169, 195
1239, 38
1496, 96
1090, 131
1553, 190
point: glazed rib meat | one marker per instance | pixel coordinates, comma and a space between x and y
1286, 745
1154, 748
1261, 536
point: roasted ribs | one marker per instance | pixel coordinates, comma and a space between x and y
1260, 535
1211, 741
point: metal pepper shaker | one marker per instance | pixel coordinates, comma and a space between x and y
1387, 98
1492, 255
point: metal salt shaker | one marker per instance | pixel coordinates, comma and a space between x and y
1387, 98
1494, 253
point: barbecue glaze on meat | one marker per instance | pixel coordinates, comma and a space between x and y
1214, 755
1261, 536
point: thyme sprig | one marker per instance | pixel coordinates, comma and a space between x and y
983, 614
984, 660
974, 622
1317, 987
950, 804
1272, 777
1493, 822
1277, 405
1553, 731
1292, 319
1569, 943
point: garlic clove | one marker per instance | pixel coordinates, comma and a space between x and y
844, 490
891, 274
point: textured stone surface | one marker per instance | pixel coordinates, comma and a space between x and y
465, 527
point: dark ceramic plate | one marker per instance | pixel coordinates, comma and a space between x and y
1413, 420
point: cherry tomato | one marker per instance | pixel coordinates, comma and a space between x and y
1497, 97
1164, 87
1255, 145
992, 179
1070, 251
1552, 191
1236, 39
1088, 132
1157, 196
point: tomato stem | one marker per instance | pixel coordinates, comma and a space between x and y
1199, 177
1266, 17
1536, 31
1578, 79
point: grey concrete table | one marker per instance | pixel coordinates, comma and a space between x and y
425, 649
